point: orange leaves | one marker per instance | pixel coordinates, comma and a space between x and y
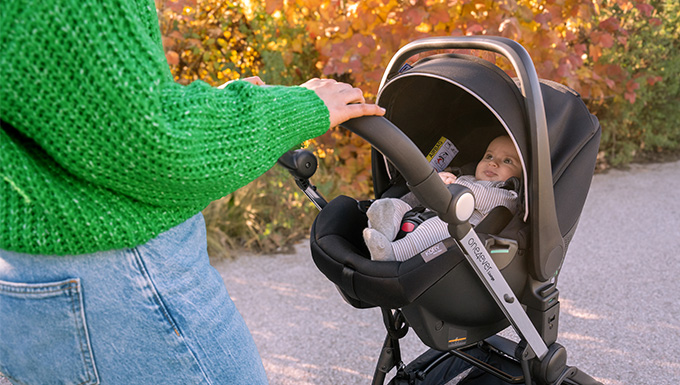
414, 16
438, 14
566, 38
474, 29
652, 80
631, 87
603, 49
348, 157
272, 6
510, 28
216, 41
569, 40
611, 24
645, 9
172, 57
176, 6
604, 39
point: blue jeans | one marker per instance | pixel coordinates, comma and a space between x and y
154, 314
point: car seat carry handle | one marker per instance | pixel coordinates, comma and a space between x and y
421, 177
547, 240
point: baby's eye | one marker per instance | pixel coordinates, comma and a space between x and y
488, 156
507, 161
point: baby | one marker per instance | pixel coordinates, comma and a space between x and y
500, 163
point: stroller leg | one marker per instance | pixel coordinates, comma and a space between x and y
390, 355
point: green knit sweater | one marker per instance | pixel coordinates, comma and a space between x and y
100, 149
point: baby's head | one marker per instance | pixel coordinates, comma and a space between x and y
500, 161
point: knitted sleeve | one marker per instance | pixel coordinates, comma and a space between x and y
87, 81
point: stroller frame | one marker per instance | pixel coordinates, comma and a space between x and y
542, 360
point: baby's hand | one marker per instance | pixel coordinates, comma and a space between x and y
447, 177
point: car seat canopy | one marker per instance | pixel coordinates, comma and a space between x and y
470, 101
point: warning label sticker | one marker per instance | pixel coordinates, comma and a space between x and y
442, 154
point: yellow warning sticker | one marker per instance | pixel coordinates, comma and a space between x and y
442, 154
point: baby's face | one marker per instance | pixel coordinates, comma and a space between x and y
500, 161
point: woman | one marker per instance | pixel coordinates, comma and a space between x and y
106, 163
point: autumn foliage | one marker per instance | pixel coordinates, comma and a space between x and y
566, 38
618, 54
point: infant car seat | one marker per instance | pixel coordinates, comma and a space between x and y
443, 111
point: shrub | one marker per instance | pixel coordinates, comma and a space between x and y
621, 55
646, 120
267, 215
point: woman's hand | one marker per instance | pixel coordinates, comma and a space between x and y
343, 101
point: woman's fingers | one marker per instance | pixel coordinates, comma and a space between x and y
351, 111
354, 95
343, 101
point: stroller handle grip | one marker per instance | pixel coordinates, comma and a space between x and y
420, 176
549, 243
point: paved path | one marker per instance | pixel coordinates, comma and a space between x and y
620, 318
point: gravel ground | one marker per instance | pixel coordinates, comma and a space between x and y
620, 317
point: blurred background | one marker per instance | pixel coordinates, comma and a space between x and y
622, 56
